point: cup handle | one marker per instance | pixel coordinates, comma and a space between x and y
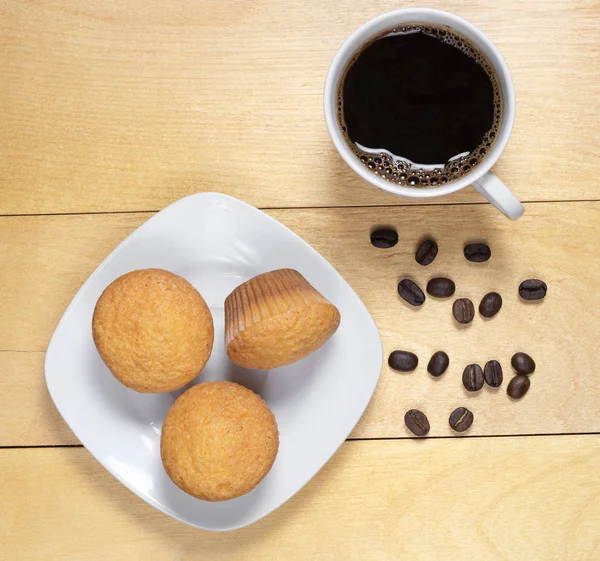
499, 195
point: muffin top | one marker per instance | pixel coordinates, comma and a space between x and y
153, 330
219, 440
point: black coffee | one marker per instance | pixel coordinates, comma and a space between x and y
420, 105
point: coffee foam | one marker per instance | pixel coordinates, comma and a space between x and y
399, 170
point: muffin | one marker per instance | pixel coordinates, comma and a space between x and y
153, 330
275, 319
219, 440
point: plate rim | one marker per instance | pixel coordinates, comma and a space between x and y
210, 195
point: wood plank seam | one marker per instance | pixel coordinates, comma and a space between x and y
308, 208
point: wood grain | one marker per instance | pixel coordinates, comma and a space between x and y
109, 106
130, 106
480, 499
28, 416
50, 257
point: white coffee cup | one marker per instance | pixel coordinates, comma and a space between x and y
484, 181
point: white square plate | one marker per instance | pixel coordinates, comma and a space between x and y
216, 242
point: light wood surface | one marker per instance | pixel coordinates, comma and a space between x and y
28, 416
130, 106
476, 499
565, 394
113, 110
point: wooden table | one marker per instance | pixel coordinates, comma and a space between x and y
110, 111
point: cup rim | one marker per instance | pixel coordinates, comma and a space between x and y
429, 15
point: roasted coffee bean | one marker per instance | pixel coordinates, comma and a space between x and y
523, 363
426, 252
463, 310
477, 252
438, 363
403, 361
492, 373
490, 304
518, 386
461, 419
411, 292
473, 378
441, 287
417, 422
532, 289
384, 238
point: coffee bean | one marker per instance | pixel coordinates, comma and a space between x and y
438, 363
461, 419
523, 363
492, 373
426, 252
473, 378
411, 292
490, 304
477, 252
532, 289
441, 287
384, 238
518, 386
463, 310
417, 422
403, 361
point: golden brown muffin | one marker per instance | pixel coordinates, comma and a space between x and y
153, 330
218, 441
275, 319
